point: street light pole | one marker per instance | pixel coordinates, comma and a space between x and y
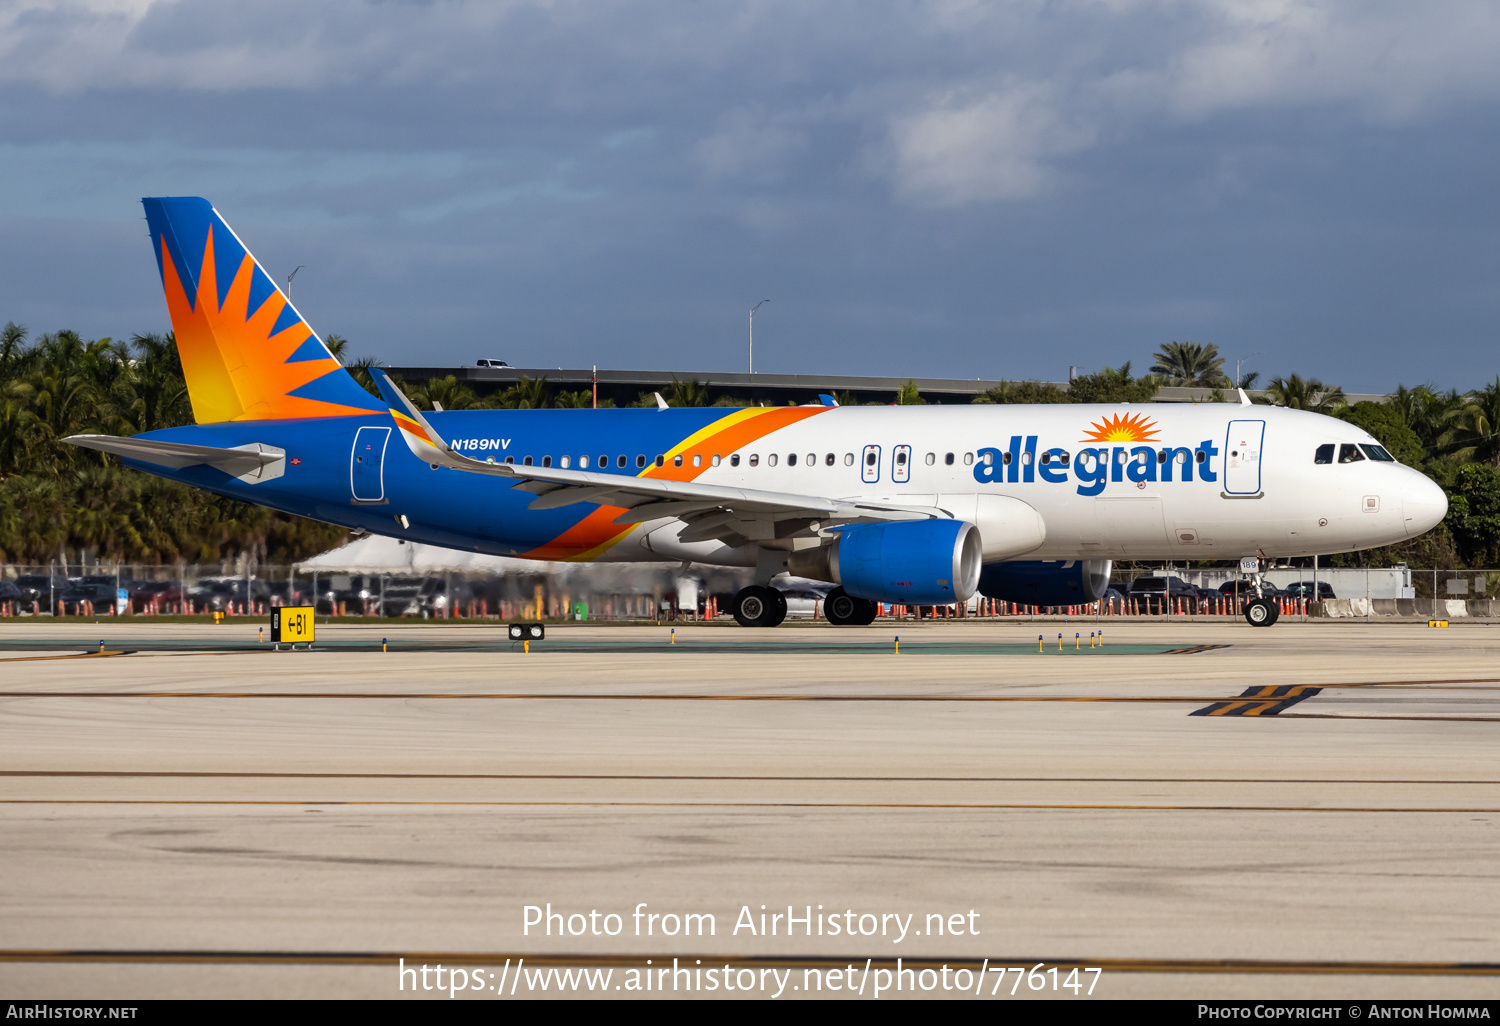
1237, 366
754, 308
289, 281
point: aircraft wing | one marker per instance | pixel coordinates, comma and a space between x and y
711, 511
254, 462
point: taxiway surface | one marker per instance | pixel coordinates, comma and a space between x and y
1202, 808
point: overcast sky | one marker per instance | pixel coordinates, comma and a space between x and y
933, 189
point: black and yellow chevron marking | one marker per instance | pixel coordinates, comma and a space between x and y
1262, 701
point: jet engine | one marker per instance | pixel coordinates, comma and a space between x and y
1072, 582
917, 562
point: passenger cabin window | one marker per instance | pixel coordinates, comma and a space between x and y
1324, 454
948, 460
1378, 453
1005, 458
989, 459
754, 459
968, 459
848, 459
791, 459
527, 461
660, 459
583, 462
1201, 456
828, 460
770, 460
715, 460
676, 461
1350, 454
640, 460
546, 461
931, 458
511, 460
1161, 457
697, 459
621, 462
812, 459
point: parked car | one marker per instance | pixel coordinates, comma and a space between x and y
99, 596
1149, 594
214, 596
9, 592
1240, 588
161, 594
38, 587
1304, 589
435, 597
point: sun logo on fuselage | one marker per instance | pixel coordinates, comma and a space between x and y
1135, 427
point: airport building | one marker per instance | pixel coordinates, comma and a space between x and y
624, 387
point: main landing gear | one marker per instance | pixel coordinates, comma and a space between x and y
843, 609
759, 606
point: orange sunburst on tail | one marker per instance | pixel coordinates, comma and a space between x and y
1135, 427
246, 353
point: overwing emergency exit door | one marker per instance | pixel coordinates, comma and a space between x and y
1242, 448
367, 464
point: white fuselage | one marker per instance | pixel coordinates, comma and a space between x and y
1210, 481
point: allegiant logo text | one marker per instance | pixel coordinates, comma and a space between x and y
1093, 468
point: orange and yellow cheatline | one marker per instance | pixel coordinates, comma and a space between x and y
1133, 427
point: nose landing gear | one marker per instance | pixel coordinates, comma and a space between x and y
1261, 612
759, 606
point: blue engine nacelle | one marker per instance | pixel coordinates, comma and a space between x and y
917, 562
1073, 582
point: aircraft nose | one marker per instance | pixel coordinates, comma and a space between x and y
1423, 503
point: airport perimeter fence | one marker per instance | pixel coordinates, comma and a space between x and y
626, 592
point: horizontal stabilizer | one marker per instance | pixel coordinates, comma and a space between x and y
251, 463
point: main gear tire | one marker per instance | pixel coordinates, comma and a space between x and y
759, 606
844, 610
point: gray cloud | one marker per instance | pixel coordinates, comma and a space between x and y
951, 187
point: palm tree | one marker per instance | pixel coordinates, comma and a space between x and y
12, 338
336, 344
909, 395
1189, 364
1311, 394
687, 393
582, 399
526, 394
447, 392
1472, 431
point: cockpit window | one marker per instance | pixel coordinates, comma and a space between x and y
1324, 453
1377, 452
1350, 454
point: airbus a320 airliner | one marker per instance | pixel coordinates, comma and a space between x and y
922, 505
